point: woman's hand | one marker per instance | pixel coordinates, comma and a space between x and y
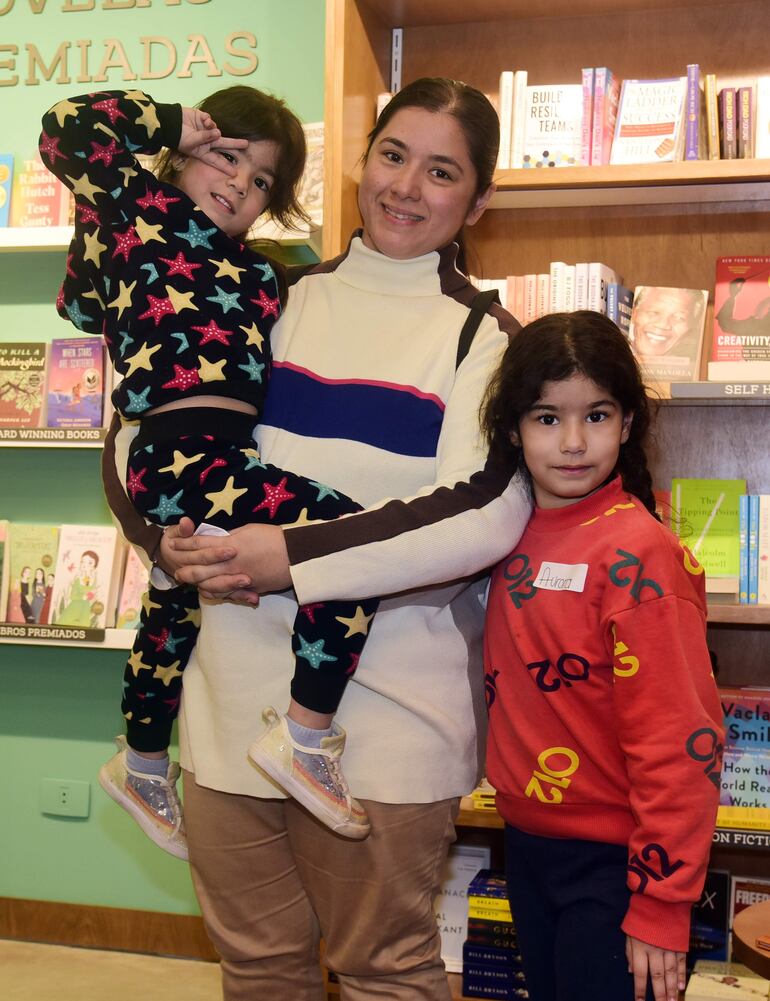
199, 134
251, 560
666, 970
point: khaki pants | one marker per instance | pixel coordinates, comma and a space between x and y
272, 881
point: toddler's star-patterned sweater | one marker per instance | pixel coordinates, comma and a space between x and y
184, 309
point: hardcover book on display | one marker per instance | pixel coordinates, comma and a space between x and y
740, 350
75, 383
553, 124
87, 575
32, 558
22, 384
650, 124
666, 331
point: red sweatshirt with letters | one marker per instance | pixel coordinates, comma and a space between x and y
605, 722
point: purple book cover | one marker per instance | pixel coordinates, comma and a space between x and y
76, 383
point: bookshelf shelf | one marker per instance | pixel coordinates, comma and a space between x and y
108, 639
744, 615
35, 238
52, 437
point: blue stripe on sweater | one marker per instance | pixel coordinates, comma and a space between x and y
392, 418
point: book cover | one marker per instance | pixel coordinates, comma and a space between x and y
132, 588
710, 919
32, 558
728, 138
753, 548
711, 979
553, 125
620, 301
4, 567
694, 131
450, 906
745, 124
763, 551
22, 383
666, 331
75, 383
38, 198
744, 800
587, 76
743, 554
650, 121
705, 518
741, 331
762, 118
712, 117
599, 277
6, 180
87, 573
605, 113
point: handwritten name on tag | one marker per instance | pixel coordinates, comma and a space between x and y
561, 576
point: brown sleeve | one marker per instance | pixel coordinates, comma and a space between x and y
132, 524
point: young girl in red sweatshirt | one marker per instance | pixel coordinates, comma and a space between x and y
605, 726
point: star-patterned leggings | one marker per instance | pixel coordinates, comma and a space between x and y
213, 473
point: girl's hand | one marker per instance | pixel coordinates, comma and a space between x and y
666, 970
199, 134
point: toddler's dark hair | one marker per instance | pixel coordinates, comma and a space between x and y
551, 349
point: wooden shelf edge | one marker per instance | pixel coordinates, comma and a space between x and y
745, 615
114, 639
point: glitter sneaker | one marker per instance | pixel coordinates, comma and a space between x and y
150, 799
312, 775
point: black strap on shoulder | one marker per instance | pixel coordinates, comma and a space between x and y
478, 310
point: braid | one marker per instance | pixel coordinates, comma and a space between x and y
635, 474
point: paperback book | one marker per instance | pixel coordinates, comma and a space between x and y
6, 179
666, 331
132, 589
22, 384
650, 121
553, 124
32, 558
740, 350
705, 516
620, 301
38, 198
4, 566
87, 575
605, 113
744, 800
75, 383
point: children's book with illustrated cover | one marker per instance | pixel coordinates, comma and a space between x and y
32, 561
75, 384
744, 800
650, 122
6, 179
22, 384
4, 561
666, 331
132, 588
38, 198
705, 516
740, 349
87, 576
552, 125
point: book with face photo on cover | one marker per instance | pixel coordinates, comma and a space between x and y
666, 331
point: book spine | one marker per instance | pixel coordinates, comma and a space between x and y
762, 118
763, 551
712, 117
505, 113
612, 302
745, 116
753, 548
530, 298
489, 913
588, 74
6, 180
692, 131
598, 119
518, 126
729, 145
499, 904
743, 552
569, 288
556, 293
612, 102
490, 956
543, 294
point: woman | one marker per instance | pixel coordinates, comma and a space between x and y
366, 393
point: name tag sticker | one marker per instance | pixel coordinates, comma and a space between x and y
561, 576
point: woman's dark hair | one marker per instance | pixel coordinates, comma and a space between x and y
474, 113
552, 349
247, 113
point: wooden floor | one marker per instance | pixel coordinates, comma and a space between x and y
32, 972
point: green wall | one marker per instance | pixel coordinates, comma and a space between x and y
59, 706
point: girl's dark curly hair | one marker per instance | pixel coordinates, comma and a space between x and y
551, 349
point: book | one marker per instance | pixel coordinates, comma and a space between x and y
620, 301
666, 331
587, 74
581, 285
518, 125
605, 113
762, 118
553, 124
22, 383
450, 905
599, 277
711, 979
75, 383
6, 180
705, 518
740, 347
557, 302
694, 125
712, 117
753, 548
87, 572
542, 292
38, 198
744, 113
743, 550
650, 121
763, 551
31, 558
4, 567
505, 114
744, 800
133, 586
728, 139
491, 955
710, 919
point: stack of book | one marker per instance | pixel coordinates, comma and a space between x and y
491, 959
